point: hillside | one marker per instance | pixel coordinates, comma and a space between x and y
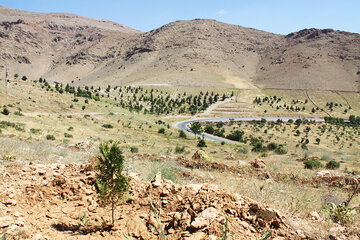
36, 44
49, 141
196, 53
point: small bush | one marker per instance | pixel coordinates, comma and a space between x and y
18, 113
342, 213
161, 131
312, 164
201, 143
332, 165
281, 150
272, 146
179, 149
134, 149
16, 126
67, 135
209, 129
70, 128
258, 147
35, 131
107, 126
182, 134
50, 137
5, 111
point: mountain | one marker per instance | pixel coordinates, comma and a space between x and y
195, 53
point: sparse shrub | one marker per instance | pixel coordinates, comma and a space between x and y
258, 147
18, 113
341, 213
332, 165
16, 126
67, 135
50, 137
24, 78
35, 131
107, 126
304, 146
70, 128
209, 129
281, 149
272, 146
201, 142
134, 149
5, 111
83, 107
179, 149
312, 164
182, 134
236, 136
111, 183
161, 131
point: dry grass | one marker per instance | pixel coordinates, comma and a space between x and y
51, 114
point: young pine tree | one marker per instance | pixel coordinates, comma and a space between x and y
111, 183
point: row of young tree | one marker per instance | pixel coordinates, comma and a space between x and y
138, 99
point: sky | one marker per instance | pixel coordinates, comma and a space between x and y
276, 16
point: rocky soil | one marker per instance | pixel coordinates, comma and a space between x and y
45, 202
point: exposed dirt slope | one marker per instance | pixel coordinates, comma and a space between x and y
196, 53
44, 202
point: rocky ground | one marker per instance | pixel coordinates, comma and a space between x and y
46, 201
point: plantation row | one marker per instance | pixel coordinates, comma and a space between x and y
138, 99
297, 105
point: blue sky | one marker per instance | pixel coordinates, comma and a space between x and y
277, 16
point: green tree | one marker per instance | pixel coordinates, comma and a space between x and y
196, 128
111, 183
209, 129
24, 78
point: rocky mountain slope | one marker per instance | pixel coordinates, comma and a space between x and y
196, 53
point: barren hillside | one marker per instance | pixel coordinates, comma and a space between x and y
196, 53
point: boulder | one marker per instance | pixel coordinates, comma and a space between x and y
205, 218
